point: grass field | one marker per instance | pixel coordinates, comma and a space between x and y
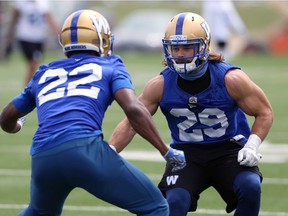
269, 72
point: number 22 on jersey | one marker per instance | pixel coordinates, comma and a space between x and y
52, 90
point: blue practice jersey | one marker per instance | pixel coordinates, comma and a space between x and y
71, 96
207, 117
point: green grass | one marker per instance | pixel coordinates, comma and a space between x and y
267, 71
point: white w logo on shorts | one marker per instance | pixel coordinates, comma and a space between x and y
171, 179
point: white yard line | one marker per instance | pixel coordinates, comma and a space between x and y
153, 176
271, 153
115, 209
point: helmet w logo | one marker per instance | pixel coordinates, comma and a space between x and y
206, 29
100, 24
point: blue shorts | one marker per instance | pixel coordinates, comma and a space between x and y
211, 165
90, 164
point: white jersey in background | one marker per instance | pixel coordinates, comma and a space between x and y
32, 25
223, 18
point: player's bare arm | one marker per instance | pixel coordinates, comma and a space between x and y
140, 118
151, 96
252, 100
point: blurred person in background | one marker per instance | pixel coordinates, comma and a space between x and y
223, 19
3, 24
71, 96
1, 29
28, 26
205, 102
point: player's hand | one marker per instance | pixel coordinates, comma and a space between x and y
248, 157
176, 158
21, 121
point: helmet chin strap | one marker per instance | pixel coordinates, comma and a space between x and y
194, 76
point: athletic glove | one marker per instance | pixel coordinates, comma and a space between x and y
21, 121
248, 155
176, 158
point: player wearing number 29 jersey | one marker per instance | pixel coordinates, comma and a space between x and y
73, 89
209, 116
205, 101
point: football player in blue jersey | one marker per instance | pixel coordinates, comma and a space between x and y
68, 151
205, 102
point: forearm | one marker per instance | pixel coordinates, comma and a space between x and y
248, 155
262, 125
122, 135
144, 125
140, 119
10, 119
10, 126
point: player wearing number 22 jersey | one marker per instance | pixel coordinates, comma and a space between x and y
71, 97
78, 81
68, 150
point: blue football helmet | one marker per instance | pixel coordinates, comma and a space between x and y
186, 29
86, 30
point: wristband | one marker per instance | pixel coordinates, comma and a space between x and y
168, 152
21, 121
253, 142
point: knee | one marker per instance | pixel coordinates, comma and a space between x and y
247, 185
179, 201
161, 209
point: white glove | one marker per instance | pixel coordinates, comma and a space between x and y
21, 121
248, 155
176, 158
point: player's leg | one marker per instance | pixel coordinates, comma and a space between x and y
33, 54
239, 186
137, 193
34, 59
111, 178
48, 187
179, 201
182, 188
224, 49
247, 186
32, 66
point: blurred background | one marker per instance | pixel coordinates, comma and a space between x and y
140, 25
